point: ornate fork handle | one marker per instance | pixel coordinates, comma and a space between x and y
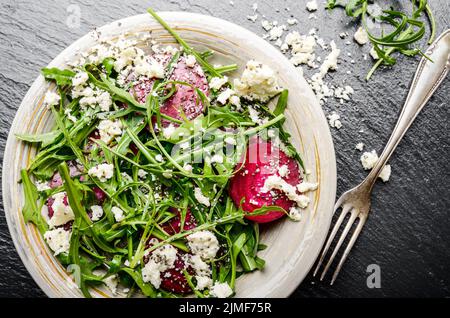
428, 77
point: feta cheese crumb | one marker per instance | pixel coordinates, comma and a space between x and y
97, 212
62, 213
295, 213
58, 240
168, 131
252, 18
369, 159
221, 290
51, 99
304, 187
334, 121
217, 82
385, 173
200, 197
103, 172
373, 53
225, 96
276, 182
190, 60
161, 259
257, 82
203, 244
80, 78
312, 5
109, 129
142, 174
118, 213
230, 141
111, 282
361, 36
42, 186
283, 171
203, 282
359, 146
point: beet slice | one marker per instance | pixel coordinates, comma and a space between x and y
174, 225
173, 279
262, 160
184, 100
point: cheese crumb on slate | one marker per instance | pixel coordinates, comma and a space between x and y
334, 121
359, 146
312, 5
361, 36
368, 161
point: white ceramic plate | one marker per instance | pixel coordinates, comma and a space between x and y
292, 246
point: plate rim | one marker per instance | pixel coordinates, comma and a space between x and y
325, 134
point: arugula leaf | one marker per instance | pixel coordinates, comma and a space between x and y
61, 77
30, 210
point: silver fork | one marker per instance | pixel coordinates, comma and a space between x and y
356, 202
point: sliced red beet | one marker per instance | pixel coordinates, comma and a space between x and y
100, 196
262, 160
74, 171
184, 100
174, 225
174, 280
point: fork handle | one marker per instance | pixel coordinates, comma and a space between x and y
428, 77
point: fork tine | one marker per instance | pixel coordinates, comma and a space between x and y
344, 212
362, 221
349, 224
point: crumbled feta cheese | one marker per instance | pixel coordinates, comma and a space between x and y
167, 174
330, 62
276, 182
97, 212
334, 121
58, 240
255, 7
168, 131
200, 267
111, 282
225, 96
103, 172
51, 99
109, 129
361, 36
42, 186
295, 213
200, 197
311, 5
80, 78
118, 213
359, 146
142, 174
190, 60
292, 21
217, 82
187, 167
369, 159
203, 244
258, 81
62, 213
344, 92
161, 259
283, 171
252, 18
304, 187
266, 25
276, 32
235, 100
203, 282
385, 173
221, 290
159, 158
373, 53
68, 113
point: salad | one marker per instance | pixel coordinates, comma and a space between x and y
160, 168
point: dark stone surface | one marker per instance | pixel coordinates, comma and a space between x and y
407, 234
